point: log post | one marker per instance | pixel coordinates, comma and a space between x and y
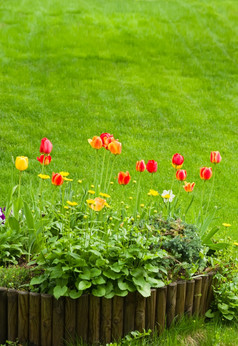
106, 320
160, 315
117, 318
46, 319
171, 303
189, 297
150, 311
70, 319
197, 295
34, 318
129, 313
94, 319
23, 316
82, 317
180, 298
12, 308
3, 315
204, 295
58, 322
140, 312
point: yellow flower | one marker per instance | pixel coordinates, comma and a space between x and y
104, 195
85, 216
80, 181
138, 216
107, 205
90, 201
64, 174
91, 192
153, 193
155, 211
127, 206
92, 186
134, 181
110, 218
66, 207
130, 198
72, 203
21, 163
142, 205
111, 182
235, 244
67, 179
44, 176
226, 224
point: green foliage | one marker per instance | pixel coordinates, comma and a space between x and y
15, 277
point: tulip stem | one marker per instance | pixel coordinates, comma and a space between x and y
110, 177
19, 189
138, 195
102, 170
105, 184
203, 191
96, 169
212, 188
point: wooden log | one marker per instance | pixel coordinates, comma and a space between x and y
58, 322
70, 319
3, 315
12, 308
34, 318
23, 316
160, 314
129, 313
150, 311
197, 295
94, 319
171, 303
189, 297
180, 298
209, 290
140, 312
204, 295
106, 320
117, 318
46, 319
82, 317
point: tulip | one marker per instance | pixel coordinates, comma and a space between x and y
44, 159
97, 204
96, 142
177, 161
123, 178
45, 146
140, 166
106, 138
115, 147
188, 187
152, 166
205, 173
215, 157
57, 179
21, 163
181, 174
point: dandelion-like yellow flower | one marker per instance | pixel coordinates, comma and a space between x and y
138, 216
235, 244
104, 195
44, 176
155, 211
130, 198
64, 174
127, 206
85, 216
92, 186
134, 181
226, 224
91, 192
67, 179
111, 182
107, 205
142, 205
80, 181
72, 204
90, 201
66, 207
153, 193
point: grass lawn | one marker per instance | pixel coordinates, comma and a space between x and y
160, 75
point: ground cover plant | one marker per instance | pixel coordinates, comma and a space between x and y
159, 75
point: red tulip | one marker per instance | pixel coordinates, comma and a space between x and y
44, 159
205, 173
140, 166
96, 142
152, 166
123, 178
215, 157
45, 146
181, 174
57, 179
115, 147
106, 138
177, 161
188, 187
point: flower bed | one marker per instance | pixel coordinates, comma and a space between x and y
40, 319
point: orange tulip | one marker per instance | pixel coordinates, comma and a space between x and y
181, 174
97, 204
123, 178
115, 147
140, 166
205, 173
188, 187
57, 179
44, 159
215, 157
106, 138
96, 142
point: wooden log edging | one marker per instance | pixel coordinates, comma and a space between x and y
40, 319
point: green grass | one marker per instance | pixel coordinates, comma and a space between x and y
160, 75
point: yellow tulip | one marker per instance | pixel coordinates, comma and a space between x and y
21, 163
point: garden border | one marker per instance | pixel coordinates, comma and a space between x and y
40, 319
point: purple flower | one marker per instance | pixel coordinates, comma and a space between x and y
2, 216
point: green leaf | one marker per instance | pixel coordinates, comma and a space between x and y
38, 280
209, 314
83, 285
59, 291
99, 291
86, 274
137, 272
95, 272
99, 281
56, 272
111, 274
139, 281
29, 217
145, 290
75, 294
149, 267
14, 224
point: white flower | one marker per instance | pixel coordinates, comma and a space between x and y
168, 196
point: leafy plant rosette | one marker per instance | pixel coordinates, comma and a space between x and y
77, 241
